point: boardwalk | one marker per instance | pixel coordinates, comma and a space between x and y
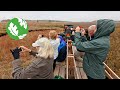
72, 69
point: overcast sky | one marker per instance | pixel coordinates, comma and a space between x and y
75, 16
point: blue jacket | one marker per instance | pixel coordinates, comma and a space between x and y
62, 50
62, 43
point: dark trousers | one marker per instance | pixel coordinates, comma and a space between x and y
89, 77
54, 64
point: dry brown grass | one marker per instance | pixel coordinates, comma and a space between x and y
6, 43
113, 59
35, 26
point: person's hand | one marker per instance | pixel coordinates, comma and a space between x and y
82, 32
77, 29
16, 52
73, 33
24, 49
39, 36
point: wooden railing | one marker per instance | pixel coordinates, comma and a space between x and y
70, 58
110, 74
74, 69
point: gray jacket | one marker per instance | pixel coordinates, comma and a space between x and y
39, 69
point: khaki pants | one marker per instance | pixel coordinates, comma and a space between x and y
78, 55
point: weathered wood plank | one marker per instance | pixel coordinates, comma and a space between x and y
79, 64
63, 63
62, 72
76, 73
113, 75
79, 74
67, 68
108, 75
83, 73
56, 71
70, 55
71, 73
71, 69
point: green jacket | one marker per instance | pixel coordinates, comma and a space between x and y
97, 49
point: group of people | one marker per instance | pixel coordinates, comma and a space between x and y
91, 46
48, 52
95, 47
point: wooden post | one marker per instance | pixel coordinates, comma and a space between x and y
110, 73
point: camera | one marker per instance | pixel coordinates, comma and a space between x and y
19, 49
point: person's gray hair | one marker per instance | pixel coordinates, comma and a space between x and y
92, 28
46, 49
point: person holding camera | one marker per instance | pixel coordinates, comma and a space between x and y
78, 54
96, 49
41, 67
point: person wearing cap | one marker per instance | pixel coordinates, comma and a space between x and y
41, 67
96, 49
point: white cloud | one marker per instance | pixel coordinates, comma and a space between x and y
61, 15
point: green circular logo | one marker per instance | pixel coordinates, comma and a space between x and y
17, 28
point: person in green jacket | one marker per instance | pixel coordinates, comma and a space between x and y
96, 49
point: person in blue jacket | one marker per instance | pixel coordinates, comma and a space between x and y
62, 50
